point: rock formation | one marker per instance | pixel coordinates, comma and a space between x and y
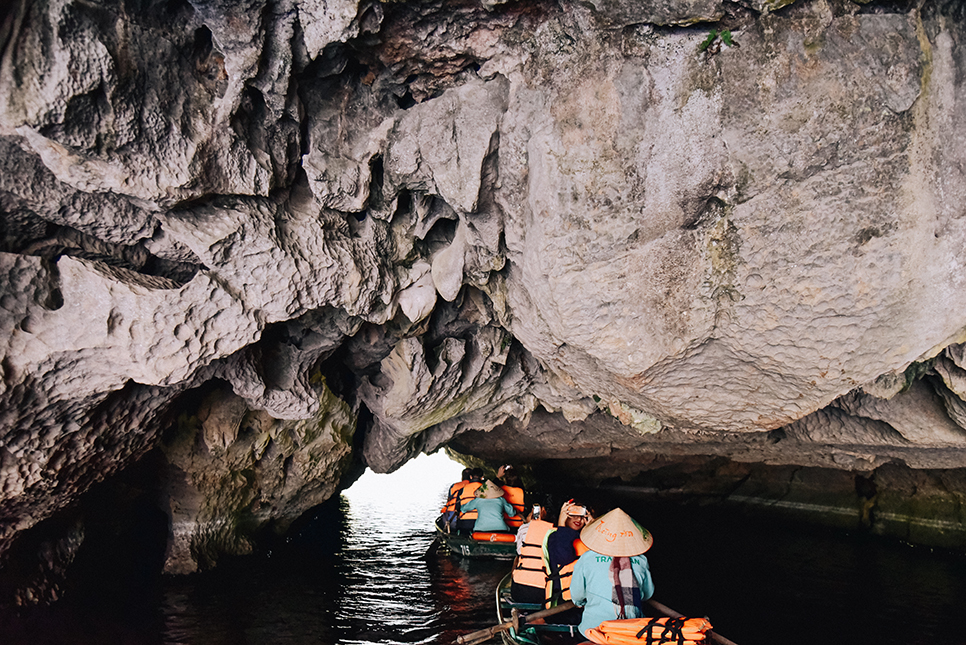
275, 241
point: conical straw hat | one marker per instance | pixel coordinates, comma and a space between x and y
616, 534
490, 490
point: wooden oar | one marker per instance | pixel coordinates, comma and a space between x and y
667, 611
490, 632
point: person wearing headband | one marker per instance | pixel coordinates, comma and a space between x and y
562, 548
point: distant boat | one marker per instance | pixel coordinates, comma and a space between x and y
493, 546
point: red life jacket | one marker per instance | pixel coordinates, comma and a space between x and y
529, 569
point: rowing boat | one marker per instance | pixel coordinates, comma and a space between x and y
539, 634
547, 634
467, 547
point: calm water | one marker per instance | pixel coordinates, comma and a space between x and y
363, 571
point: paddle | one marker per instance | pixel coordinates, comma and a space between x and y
515, 623
667, 611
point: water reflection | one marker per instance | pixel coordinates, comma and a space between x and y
397, 589
286, 598
362, 571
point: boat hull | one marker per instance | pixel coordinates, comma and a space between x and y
541, 634
466, 547
553, 634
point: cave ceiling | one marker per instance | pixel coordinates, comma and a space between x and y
281, 240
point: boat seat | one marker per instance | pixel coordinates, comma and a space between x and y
553, 629
507, 602
532, 635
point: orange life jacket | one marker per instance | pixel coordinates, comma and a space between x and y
453, 496
514, 495
467, 493
492, 536
563, 574
650, 631
529, 569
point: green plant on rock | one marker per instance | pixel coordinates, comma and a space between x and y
712, 44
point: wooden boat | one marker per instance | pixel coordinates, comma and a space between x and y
550, 634
529, 634
467, 547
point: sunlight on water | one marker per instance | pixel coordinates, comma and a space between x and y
400, 590
364, 575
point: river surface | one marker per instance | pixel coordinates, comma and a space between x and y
365, 571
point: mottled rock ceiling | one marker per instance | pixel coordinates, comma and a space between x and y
277, 240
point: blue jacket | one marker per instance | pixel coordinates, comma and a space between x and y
490, 513
591, 588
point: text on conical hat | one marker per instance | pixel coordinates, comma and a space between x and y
610, 535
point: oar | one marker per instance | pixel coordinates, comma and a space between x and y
667, 611
490, 632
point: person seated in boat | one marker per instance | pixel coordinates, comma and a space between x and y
528, 578
612, 579
490, 507
501, 473
450, 510
562, 547
513, 493
466, 518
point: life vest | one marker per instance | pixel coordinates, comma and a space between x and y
563, 574
492, 536
514, 495
467, 493
454, 495
650, 631
529, 570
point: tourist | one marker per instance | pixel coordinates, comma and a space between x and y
450, 510
490, 507
528, 578
611, 580
466, 518
513, 493
563, 547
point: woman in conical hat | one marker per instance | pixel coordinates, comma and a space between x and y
490, 507
612, 579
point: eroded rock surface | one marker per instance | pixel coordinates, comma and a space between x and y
229, 471
604, 229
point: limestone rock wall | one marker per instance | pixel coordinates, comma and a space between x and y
694, 226
230, 472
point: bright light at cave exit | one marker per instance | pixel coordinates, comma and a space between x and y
425, 477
